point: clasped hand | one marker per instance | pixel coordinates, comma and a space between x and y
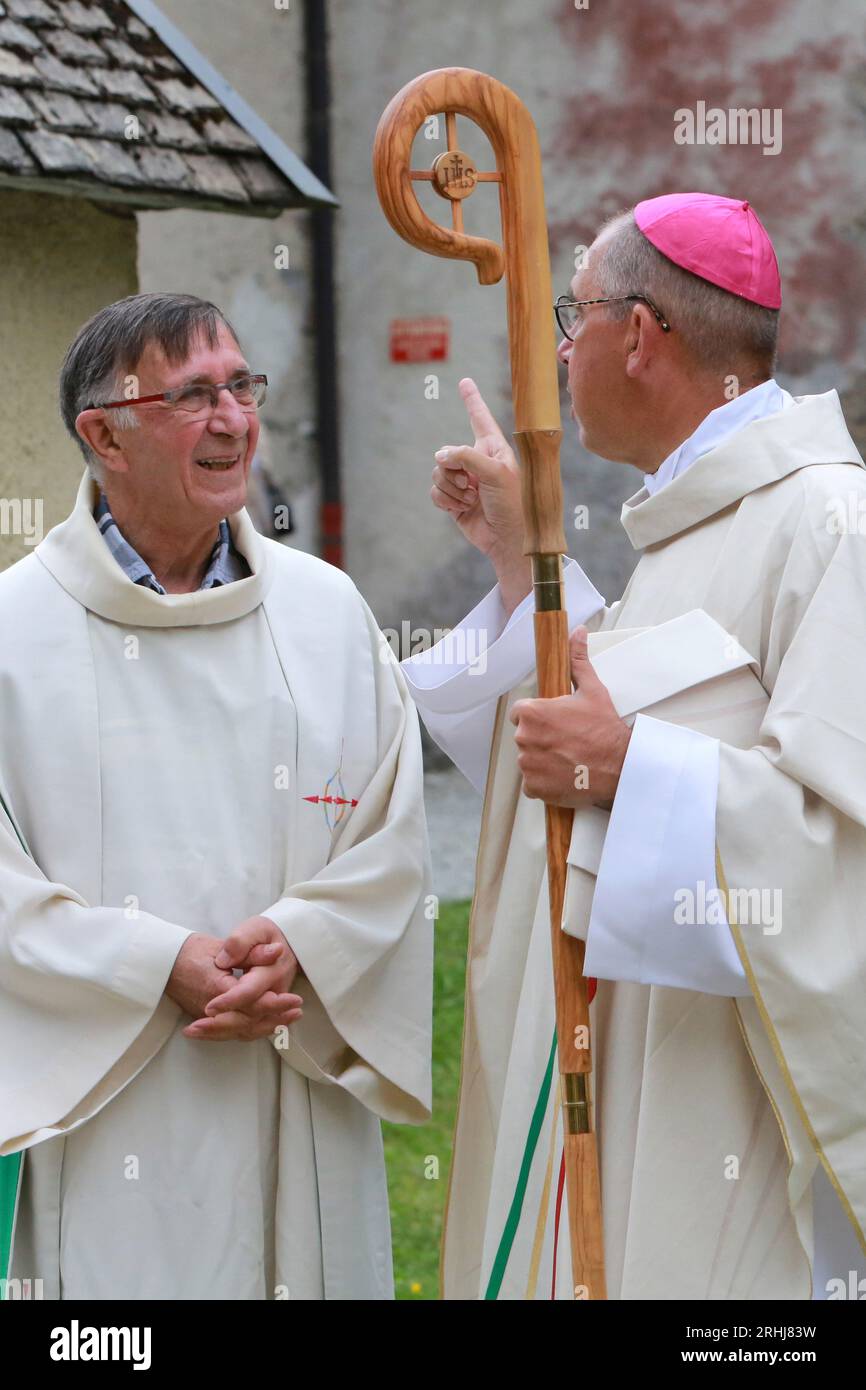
225, 1007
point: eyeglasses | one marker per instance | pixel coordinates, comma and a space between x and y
202, 396
567, 317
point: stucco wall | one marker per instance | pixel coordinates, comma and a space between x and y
61, 259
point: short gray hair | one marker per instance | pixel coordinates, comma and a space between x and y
109, 346
719, 329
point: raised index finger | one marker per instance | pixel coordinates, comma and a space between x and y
480, 418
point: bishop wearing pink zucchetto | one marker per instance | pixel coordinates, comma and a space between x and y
714, 751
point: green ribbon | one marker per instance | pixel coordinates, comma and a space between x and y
10, 1176
513, 1220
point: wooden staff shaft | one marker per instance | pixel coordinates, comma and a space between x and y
583, 1183
541, 484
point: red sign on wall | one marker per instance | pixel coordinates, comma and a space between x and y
420, 340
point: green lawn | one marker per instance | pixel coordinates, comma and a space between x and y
411, 1151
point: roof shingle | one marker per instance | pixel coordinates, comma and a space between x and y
94, 103
33, 12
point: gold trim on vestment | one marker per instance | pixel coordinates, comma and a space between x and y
544, 1207
783, 1065
782, 1129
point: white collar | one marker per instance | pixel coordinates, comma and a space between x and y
766, 399
76, 554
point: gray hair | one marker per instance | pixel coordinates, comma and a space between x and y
720, 330
106, 350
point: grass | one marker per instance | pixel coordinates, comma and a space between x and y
418, 1157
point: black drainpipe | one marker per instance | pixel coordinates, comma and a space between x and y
318, 158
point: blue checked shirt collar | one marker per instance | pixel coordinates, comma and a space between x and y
226, 562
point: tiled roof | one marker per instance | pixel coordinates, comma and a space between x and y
94, 104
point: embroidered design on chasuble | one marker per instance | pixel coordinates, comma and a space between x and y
333, 799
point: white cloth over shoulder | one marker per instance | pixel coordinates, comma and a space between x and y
659, 857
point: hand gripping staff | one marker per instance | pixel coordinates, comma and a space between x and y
523, 259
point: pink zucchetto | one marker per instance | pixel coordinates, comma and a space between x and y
719, 239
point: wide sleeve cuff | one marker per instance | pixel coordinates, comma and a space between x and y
658, 917
456, 683
150, 958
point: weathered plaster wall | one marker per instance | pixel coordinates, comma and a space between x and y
61, 259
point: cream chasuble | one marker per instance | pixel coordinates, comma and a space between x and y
179, 763
746, 621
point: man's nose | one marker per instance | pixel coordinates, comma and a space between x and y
563, 352
229, 417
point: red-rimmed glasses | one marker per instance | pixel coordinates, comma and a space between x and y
201, 396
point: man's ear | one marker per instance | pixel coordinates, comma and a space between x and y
92, 426
638, 341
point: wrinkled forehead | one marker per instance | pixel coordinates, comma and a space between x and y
202, 359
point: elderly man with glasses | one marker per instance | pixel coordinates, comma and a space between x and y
714, 750
215, 945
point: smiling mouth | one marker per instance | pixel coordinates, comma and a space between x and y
218, 465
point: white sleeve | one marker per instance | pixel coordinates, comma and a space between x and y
456, 683
657, 915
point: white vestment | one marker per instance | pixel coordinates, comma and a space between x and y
179, 763
661, 831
